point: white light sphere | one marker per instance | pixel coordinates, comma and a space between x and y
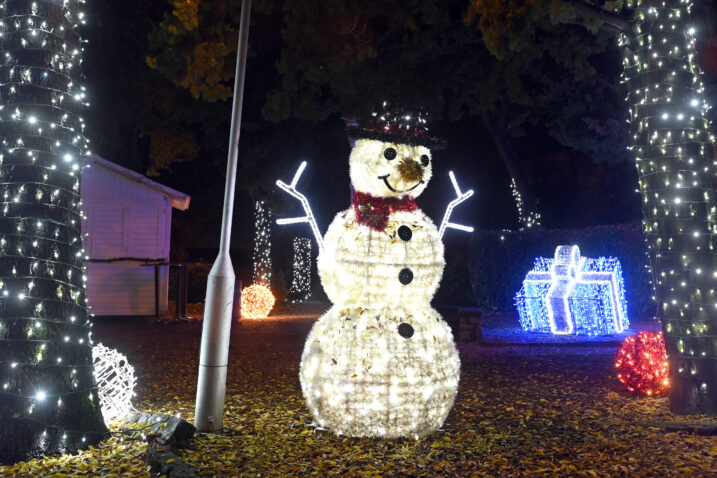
380, 373
115, 382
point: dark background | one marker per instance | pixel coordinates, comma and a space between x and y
573, 188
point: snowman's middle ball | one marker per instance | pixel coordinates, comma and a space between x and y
360, 266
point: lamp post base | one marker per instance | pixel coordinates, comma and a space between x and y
213, 358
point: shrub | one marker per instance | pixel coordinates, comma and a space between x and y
495, 264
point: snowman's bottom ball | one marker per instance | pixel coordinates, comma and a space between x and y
380, 373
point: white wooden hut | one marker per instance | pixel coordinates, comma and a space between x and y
128, 225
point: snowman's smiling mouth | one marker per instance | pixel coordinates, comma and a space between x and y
385, 181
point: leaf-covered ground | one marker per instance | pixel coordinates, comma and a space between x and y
522, 410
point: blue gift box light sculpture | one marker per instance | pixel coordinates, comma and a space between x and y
573, 295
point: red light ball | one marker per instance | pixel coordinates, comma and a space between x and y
256, 301
641, 364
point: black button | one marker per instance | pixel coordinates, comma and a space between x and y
405, 330
389, 154
424, 160
405, 276
404, 232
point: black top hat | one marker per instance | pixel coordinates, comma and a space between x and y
392, 123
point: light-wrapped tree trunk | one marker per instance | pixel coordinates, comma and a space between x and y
674, 153
48, 396
262, 244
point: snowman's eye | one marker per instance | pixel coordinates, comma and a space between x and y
389, 154
425, 160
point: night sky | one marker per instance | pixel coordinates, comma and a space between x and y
574, 190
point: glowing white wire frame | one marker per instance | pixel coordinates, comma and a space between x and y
449, 210
572, 294
565, 273
291, 189
115, 382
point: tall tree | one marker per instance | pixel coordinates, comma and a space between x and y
673, 149
49, 402
336, 55
124, 91
674, 153
424, 51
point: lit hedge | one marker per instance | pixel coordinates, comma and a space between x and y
489, 271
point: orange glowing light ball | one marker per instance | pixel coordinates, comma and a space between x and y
641, 364
256, 301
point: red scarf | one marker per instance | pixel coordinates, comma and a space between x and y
373, 211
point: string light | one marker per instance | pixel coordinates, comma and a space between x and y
573, 295
262, 244
526, 219
300, 289
673, 148
115, 382
381, 362
49, 396
256, 301
641, 363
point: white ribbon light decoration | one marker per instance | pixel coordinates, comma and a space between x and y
460, 197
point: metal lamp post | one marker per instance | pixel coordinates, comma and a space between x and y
211, 384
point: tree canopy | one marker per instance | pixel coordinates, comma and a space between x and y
336, 58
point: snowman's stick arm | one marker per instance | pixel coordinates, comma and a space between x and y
291, 189
460, 197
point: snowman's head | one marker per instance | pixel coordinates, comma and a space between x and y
387, 169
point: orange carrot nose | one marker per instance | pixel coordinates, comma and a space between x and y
410, 170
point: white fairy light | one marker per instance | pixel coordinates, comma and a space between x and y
381, 362
262, 244
526, 219
679, 233
115, 382
571, 294
300, 289
40, 269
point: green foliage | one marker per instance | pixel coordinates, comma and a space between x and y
511, 26
203, 31
567, 76
495, 267
335, 56
520, 60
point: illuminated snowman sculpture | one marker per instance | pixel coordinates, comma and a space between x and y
381, 362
